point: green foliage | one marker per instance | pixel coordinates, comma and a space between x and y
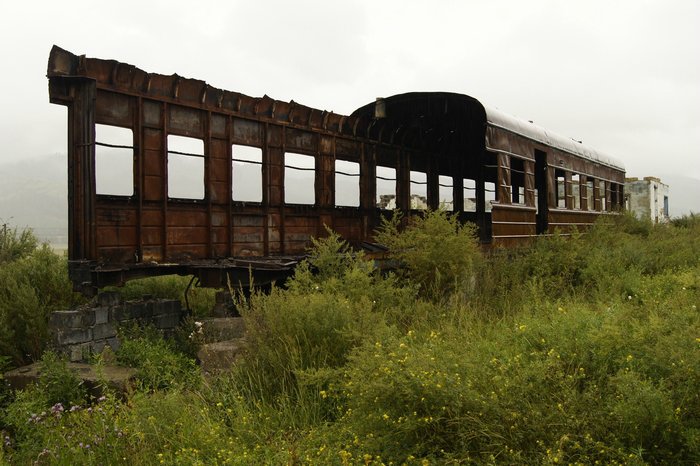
575, 350
159, 365
31, 288
15, 245
200, 300
58, 383
321, 316
439, 254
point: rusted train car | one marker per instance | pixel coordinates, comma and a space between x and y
170, 175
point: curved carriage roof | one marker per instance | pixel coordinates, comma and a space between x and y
438, 108
499, 119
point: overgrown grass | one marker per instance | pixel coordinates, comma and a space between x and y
572, 351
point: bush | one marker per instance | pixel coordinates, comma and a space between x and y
14, 245
157, 362
30, 289
331, 304
436, 251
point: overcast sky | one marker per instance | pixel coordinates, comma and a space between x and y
622, 76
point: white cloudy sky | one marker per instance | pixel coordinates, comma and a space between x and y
623, 76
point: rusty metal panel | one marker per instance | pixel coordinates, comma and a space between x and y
150, 233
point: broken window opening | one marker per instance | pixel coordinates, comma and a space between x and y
446, 192
347, 183
246, 173
299, 179
517, 180
419, 190
601, 195
469, 194
386, 187
561, 188
114, 160
590, 198
185, 167
576, 191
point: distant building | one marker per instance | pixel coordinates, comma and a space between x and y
647, 198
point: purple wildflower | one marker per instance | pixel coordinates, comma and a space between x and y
57, 409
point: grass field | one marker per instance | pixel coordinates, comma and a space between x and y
581, 350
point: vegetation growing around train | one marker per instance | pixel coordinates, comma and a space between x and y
576, 350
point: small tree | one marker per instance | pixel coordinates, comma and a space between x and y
437, 252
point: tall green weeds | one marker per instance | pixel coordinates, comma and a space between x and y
573, 350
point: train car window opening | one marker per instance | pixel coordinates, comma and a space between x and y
576, 191
114, 160
489, 195
517, 180
347, 183
590, 197
469, 194
446, 192
299, 179
614, 197
601, 195
419, 190
185, 167
561, 189
386, 187
246, 177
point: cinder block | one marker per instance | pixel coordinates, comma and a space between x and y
114, 343
121, 313
166, 321
109, 298
98, 345
65, 319
74, 336
80, 352
101, 315
137, 309
103, 331
88, 317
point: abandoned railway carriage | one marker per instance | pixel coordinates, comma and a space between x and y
170, 175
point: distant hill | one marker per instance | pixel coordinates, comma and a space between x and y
34, 193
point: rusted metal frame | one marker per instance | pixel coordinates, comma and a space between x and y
283, 193
236, 113
583, 192
208, 182
480, 194
165, 121
229, 187
403, 180
266, 188
432, 178
530, 183
368, 188
81, 172
139, 175
457, 166
568, 190
503, 179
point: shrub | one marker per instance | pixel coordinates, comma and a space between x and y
435, 250
16, 245
30, 289
158, 364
